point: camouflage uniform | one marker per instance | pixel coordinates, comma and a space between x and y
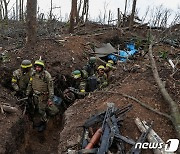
80, 85
42, 88
102, 80
21, 77
101, 77
109, 71
20, 80
90, 67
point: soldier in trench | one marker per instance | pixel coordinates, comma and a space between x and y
102, 77
21, 77
42, 88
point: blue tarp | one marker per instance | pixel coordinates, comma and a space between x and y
125, 54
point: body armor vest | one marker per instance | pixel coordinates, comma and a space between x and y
39, 83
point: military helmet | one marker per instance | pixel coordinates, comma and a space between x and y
101, 67
108, 65
76, 74
39, 62
26, 64
111, 62
92, 60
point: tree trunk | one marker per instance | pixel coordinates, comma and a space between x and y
78, 11
173, 105
31, 23
131, 23
17, 9
20, 15
87, 10
73, 15
1, 10
22, 10
6, 10
50, 14
119, 17
124, 16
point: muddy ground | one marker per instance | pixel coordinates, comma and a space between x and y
65, 53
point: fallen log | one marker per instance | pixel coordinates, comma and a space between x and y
174, 108
8, 108
152, 137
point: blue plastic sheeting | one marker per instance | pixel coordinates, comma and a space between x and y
125, 54
57, 100
112, 57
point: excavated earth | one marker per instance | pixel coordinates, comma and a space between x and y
65, 53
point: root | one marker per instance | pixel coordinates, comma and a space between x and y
139, 102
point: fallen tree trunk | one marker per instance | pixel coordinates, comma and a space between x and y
152, 137
174, 108
8, 108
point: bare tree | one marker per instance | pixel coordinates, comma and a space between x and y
21, 10
165, 18
6, 9
119, 17
132, 14
78, 10
145, 15
85, 10
1, 9
73, 15
105, 11
50, 14
17, 8
124, 15
31, 23
176, 19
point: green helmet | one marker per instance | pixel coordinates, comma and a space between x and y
92, 60
39, 62
76, 74
26, 64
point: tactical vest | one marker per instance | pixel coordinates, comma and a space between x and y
39, 83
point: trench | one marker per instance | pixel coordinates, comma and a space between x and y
23, 138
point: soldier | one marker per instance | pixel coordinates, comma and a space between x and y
90, 67
42, 88
78, 89
21, 78
101, 77
109, 69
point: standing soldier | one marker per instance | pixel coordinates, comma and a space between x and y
90, 67
42, 89
101, 77
21, 78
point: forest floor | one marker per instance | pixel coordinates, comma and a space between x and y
65, 53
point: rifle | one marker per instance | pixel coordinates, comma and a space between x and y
105, 139
76, 91
95, 119
28, 105
141, 139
